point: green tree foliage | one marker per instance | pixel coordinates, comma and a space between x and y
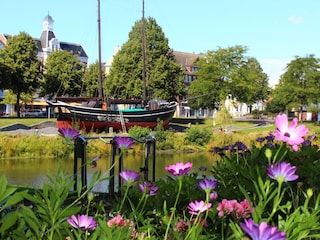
275, 106
90, 81
20, 68
164, 77
300, 84
4, 75
63, 75
250, 83
227, 71
9, 97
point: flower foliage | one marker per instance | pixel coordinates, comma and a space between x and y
148, 188
82, 222
123, 142
282, 172
130, 176
262, 231
69, 133
208, 184
119, 221
233, 207
179, 169
237, 199
198, 207
290, 133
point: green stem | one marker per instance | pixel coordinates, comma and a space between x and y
124, 198
142, 198
222, 228
174, 208
276, 202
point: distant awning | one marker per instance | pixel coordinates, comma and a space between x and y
36, 103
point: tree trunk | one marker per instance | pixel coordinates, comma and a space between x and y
18, 104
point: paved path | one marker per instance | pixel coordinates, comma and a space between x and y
45, 128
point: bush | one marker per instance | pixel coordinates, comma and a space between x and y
139, 132
198, 136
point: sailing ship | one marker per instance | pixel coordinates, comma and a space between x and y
94, 115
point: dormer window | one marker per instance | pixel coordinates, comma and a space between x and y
54, 44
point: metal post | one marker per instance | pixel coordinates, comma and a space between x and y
80, 152
120, 169
112, 161
154, 159
150, 149
75, 167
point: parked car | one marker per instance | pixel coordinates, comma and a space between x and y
35, 113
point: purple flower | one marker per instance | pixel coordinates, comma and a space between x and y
282, 172
179, 168
217, 149
94, 161
123, 142
241, 146
262, 231
202, 168
82, 222
69, 133
130, 176
270, 137
260, 139
306, 143
148, 188
213, 196
208, 184
290, 133
198, 207
312, 137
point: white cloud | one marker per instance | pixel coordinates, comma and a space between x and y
274, 68
295, 19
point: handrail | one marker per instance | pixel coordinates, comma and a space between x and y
80, 152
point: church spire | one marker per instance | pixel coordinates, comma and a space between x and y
48, 23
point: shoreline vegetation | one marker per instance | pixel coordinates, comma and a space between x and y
183, 135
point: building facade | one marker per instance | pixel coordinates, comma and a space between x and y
188, 62
48, 42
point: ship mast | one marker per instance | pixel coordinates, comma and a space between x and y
100, 87
143, 32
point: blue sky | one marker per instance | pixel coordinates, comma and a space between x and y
275, 31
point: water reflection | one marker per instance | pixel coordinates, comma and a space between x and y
33, 172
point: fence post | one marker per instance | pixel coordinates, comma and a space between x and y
150, 149
112, 165
80, 152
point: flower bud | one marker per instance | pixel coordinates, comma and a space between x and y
309, 192
268, 153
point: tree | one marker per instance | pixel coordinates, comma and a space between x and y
21, 67
4, 74
275, 106
63, 75
164, 77
300, 84
228, 71
250, 83
90, 81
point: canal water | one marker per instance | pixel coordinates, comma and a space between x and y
33, 172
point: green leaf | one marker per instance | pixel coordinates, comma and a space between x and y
12, 200
9, 221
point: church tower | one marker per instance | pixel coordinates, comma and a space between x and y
48, 40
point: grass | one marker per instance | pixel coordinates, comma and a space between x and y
6, 121
245, 127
